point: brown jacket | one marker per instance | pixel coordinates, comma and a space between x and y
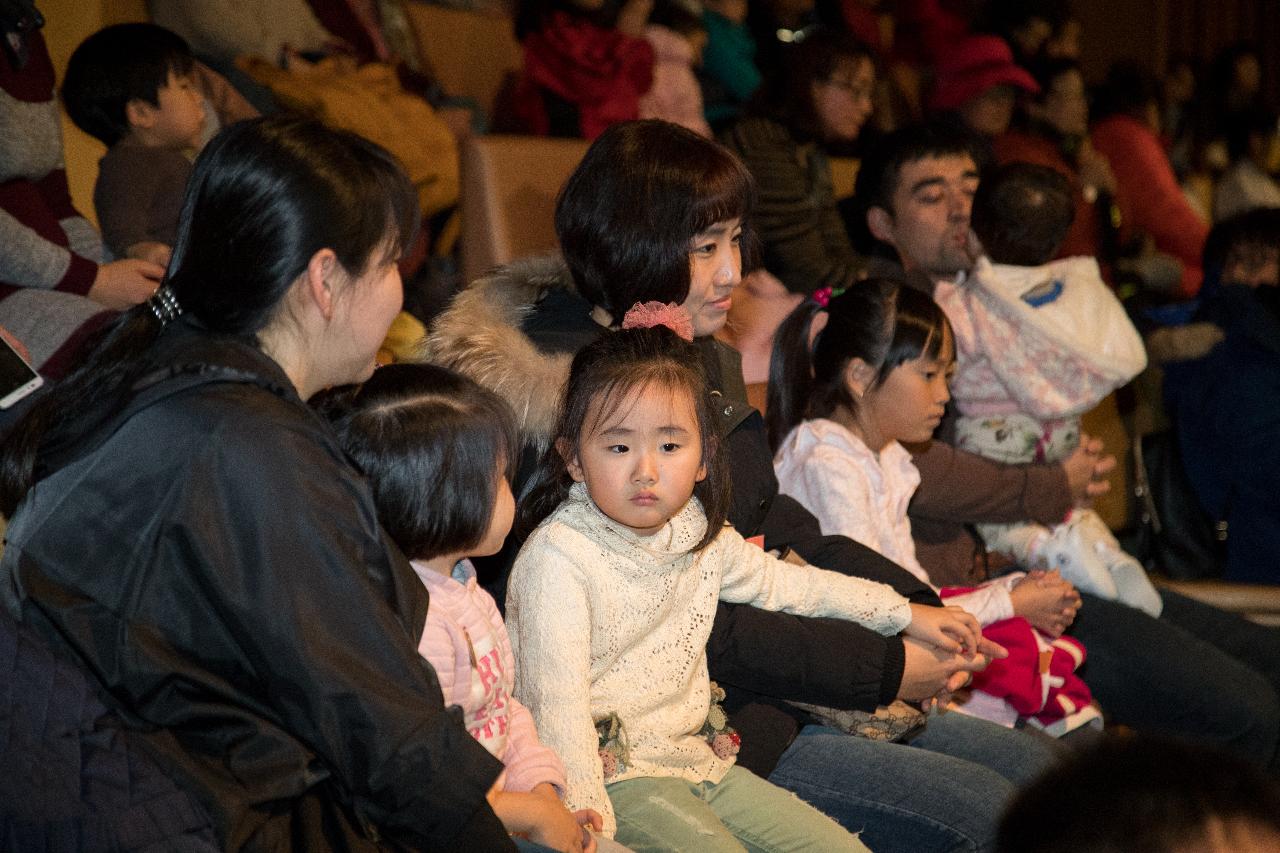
959, 489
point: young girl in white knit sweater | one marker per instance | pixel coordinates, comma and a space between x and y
611, 600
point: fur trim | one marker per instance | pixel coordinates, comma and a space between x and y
479, 335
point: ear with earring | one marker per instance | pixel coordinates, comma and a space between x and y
858, 376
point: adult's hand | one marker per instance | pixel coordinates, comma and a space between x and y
125, 283
930, 673
1087, 468
1095, 169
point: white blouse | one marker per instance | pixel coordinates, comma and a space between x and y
833, 474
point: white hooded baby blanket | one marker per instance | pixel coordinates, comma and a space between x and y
1054, 336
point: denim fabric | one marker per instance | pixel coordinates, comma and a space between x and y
1196, 672
741, 812
943, 792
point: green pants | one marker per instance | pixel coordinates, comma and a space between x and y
743, 812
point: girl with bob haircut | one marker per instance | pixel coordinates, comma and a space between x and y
876, 375
611, 601
193, 536
438, 451
657, 212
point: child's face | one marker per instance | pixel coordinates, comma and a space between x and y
178, 117
715, 269
909, 405
640, 464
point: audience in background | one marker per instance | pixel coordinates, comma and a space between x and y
1151, 201
678, 37
51, 258
131, 87
586, 65
1253, 143
1225, 406
1053, 131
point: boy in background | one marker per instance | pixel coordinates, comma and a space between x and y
137, 89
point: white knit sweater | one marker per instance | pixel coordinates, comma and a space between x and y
604, 621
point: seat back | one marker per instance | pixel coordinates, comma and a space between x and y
509, 187
470, 52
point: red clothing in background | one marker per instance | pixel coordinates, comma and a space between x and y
1149, 197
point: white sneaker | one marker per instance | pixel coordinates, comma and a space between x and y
1069, 549
1133, 586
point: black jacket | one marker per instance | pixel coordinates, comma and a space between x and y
213, 559
516, 330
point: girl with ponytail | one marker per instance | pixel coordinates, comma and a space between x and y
851, 382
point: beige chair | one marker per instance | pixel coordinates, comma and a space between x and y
509, 187
470, 52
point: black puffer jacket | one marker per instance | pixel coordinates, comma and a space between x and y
215, 562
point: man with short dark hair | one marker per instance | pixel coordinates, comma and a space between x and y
1196, 671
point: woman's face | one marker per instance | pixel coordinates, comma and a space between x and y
990, 112
715, 268
842, 102
363, 311
1066, 106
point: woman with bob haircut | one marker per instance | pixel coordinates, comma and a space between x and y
657, 213
185, 529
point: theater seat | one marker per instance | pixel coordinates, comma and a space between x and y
470, 52
509, 187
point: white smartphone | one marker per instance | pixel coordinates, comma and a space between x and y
17, 378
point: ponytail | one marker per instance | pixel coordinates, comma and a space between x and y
880, 321
790, 374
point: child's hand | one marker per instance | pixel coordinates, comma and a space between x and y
1046, 601
151, 251
541, 816
949, 628
591, 823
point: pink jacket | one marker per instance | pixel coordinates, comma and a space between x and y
675, 95
466, 643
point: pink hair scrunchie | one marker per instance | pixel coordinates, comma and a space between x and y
646, 315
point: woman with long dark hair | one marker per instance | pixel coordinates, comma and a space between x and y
194, 537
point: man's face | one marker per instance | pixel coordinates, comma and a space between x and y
929, 220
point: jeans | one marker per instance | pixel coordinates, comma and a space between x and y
742, 811
1196, 672
944, 791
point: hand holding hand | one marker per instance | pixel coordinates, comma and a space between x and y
950, 628
1047, 601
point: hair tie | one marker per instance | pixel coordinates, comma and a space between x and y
164, 304
646, 315
824, 295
